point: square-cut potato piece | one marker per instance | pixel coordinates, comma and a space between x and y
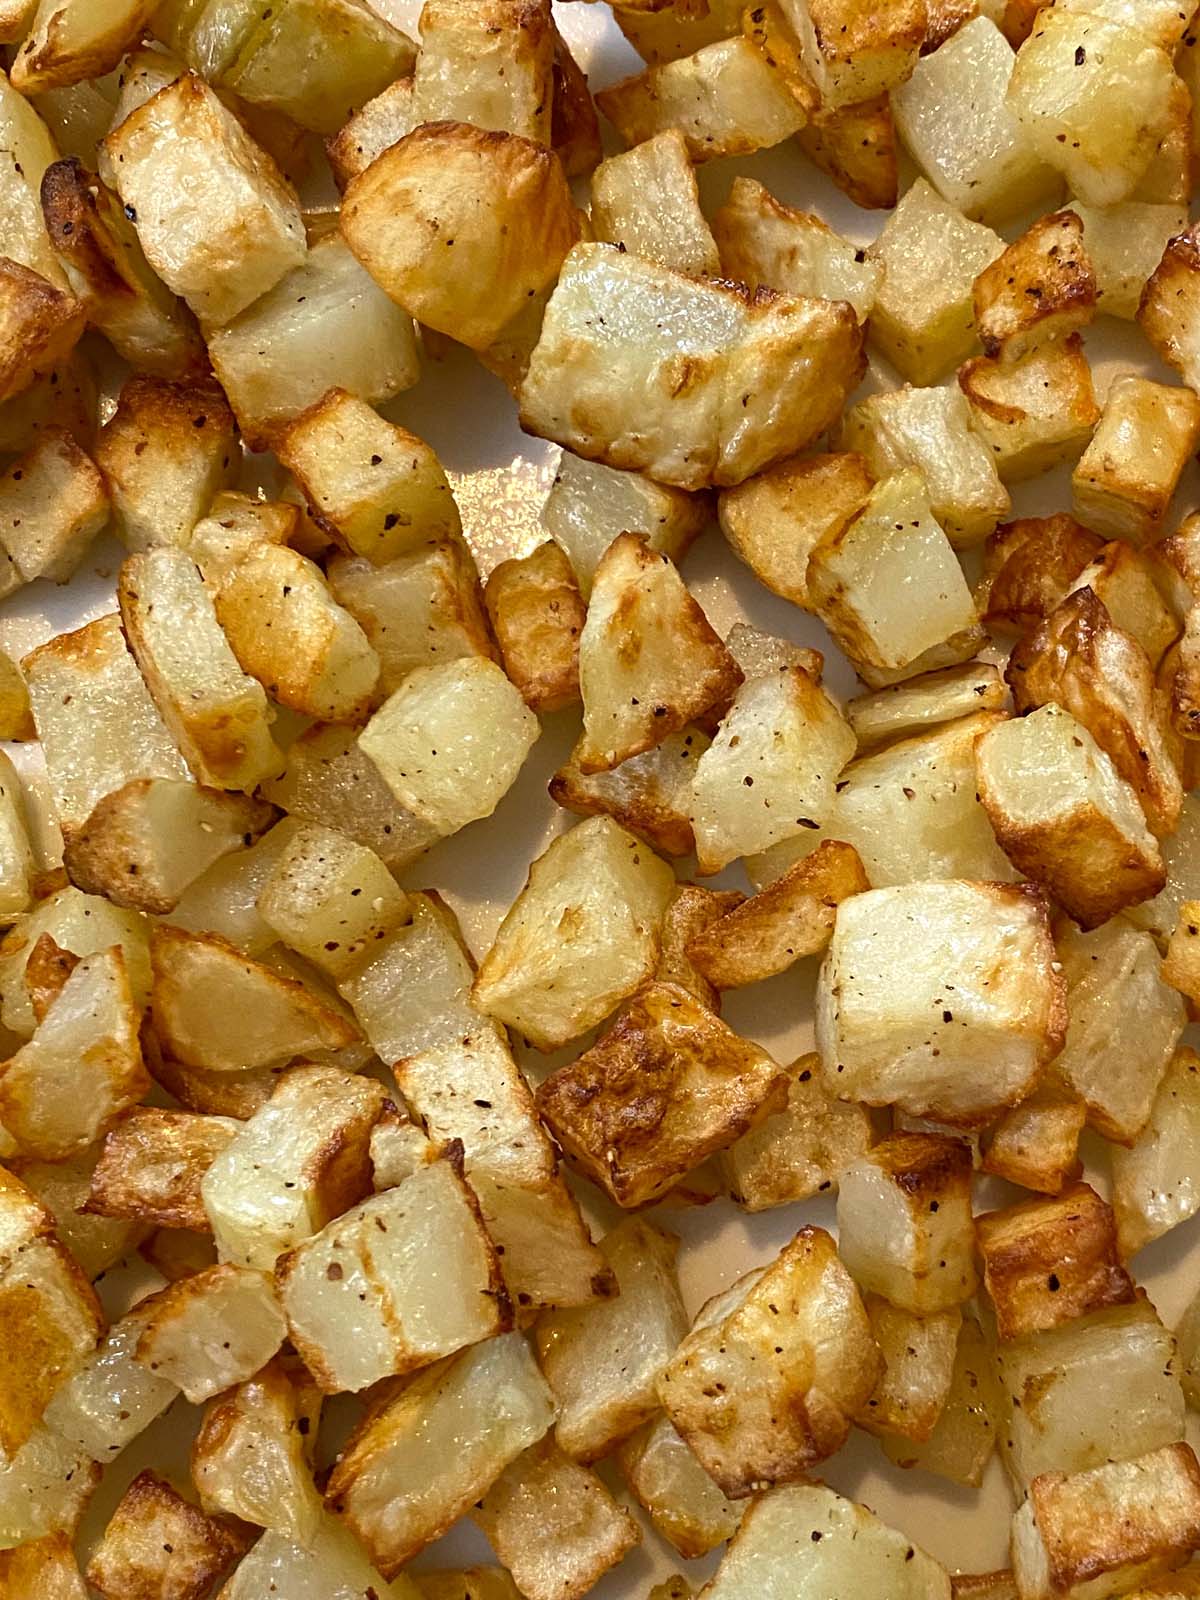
84, 924
646, 200
1086, 1535
382, 122
53, 503
707, 1087
401, 1280
725, 99
1035, 412
1049, 1260
854, 51
764, 243
1169, 309
775, 520
1036, 1144
210, 1331
51, 1321
1042, 288
1126, 477
554, 1524
1098, 119
590, 505
964, 1436
861, 575
223, 900
766, 374
1125, 244
156, 1542
489, 63
1153, 1186
650, 794
904, 1222
983, 164
325, 325
955, 1022
929, 431
931, 255
112, 1398
40, 324
67, 43
808, 1542
461, 226
1065, 817
537, 614
1029, 568
374, 487
680, 1498
44, 1569
151, 1166
753, 1413
44, 1489
332, 1563
858, 148
167, 450
287, 630
427, 1455
921, 704
918, 1367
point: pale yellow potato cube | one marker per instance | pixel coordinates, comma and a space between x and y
84, 924
1034, 413
44, 1488
1154, 1188
40, 324
17, 867
112, 1398
489, 63
67, 43
210, 1331
1125, 244
646, 200
332, 1564
964, 1436
375, 127
921, 704
680, 1498
1125, 479
53, 503
1164, 21
63, 1187
918, 1368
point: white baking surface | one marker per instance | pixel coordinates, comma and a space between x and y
501, 477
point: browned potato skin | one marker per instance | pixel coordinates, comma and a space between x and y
1036, 1144
693, 910
1170, 302
1029, 567
43, 1569
39, 326
857, 147
151, 1165
638, 793
1047, 1261
157, 1546
1042, 287
537, 615
48, 968
616, 1110
574, 125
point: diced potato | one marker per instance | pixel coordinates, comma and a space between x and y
210, 1331
1153, 1183
861, 575
1168, 308
215, 1008
1180, 967
955, 1023
760, 654
709, 1087
1092, 1534
325, 325
53, 504
590, 505
918, 1367
287, 631
429, 1454
775, 520
181, 157
646, 200
83, 1067
17, 867
62, 1187
904, 1222
1041, 289
375, 127
1164, 21
1029, 568
45, 1569
488, 63
964, 1435
44, 1489
726, 100
690, 910
923, 320
682, 1501
1064, 816
16, 721
911, 708
554, 1524
1036, 1144
929, 431
67, 43
165, 452
858, 148
499, 200
538, 614
807, 1542
1100, 1387
1124, 1025
224, 899
676, 30
112, 1397
51, 1320
766, 374
85, 925
1128, 586
1048, 1261
1035, 412
1125, 244
753, 1413
1125, 480
332, 1566
852, 51
1099, 120
151, 1166
40, 324
650, 794
157, 1542
771, 771
764, 243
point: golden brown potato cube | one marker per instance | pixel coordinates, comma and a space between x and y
680, 1498
1049, 1260
498, 201
489, 63
858, 148
537, 614
789, 919
167, 450
1181, 964
929, 431
210, 1331
923, 320
51, 1321
646, 200
904, 1222
649, 660
1153, 1188
777, 518
151, 1165
68, 42
286, 630
40, 324
374, 487
430, 1453
375, 127
1035, 412
157, 1543
1168, 308
182, 157
1065, 817
767, 1381
1036, 1144
1124, 581
1029, 568
918, 1367
650, 794
688, 912
726, 100
767, 374
235, 524
1092, 1534
1126, 477
1042, 288
53, 503
852, 50
554, 1524
45, 1569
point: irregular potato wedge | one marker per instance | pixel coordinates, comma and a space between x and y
152, 1164
646, 200
1033, 413
40, 324
158, 1542
680, 1498
1123, 483
212, 1330
537, 615
1042, 288
650, 794
1029, 568
911, 708
1153, 1186
918, 1368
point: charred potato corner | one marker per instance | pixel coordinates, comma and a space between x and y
741, 1166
